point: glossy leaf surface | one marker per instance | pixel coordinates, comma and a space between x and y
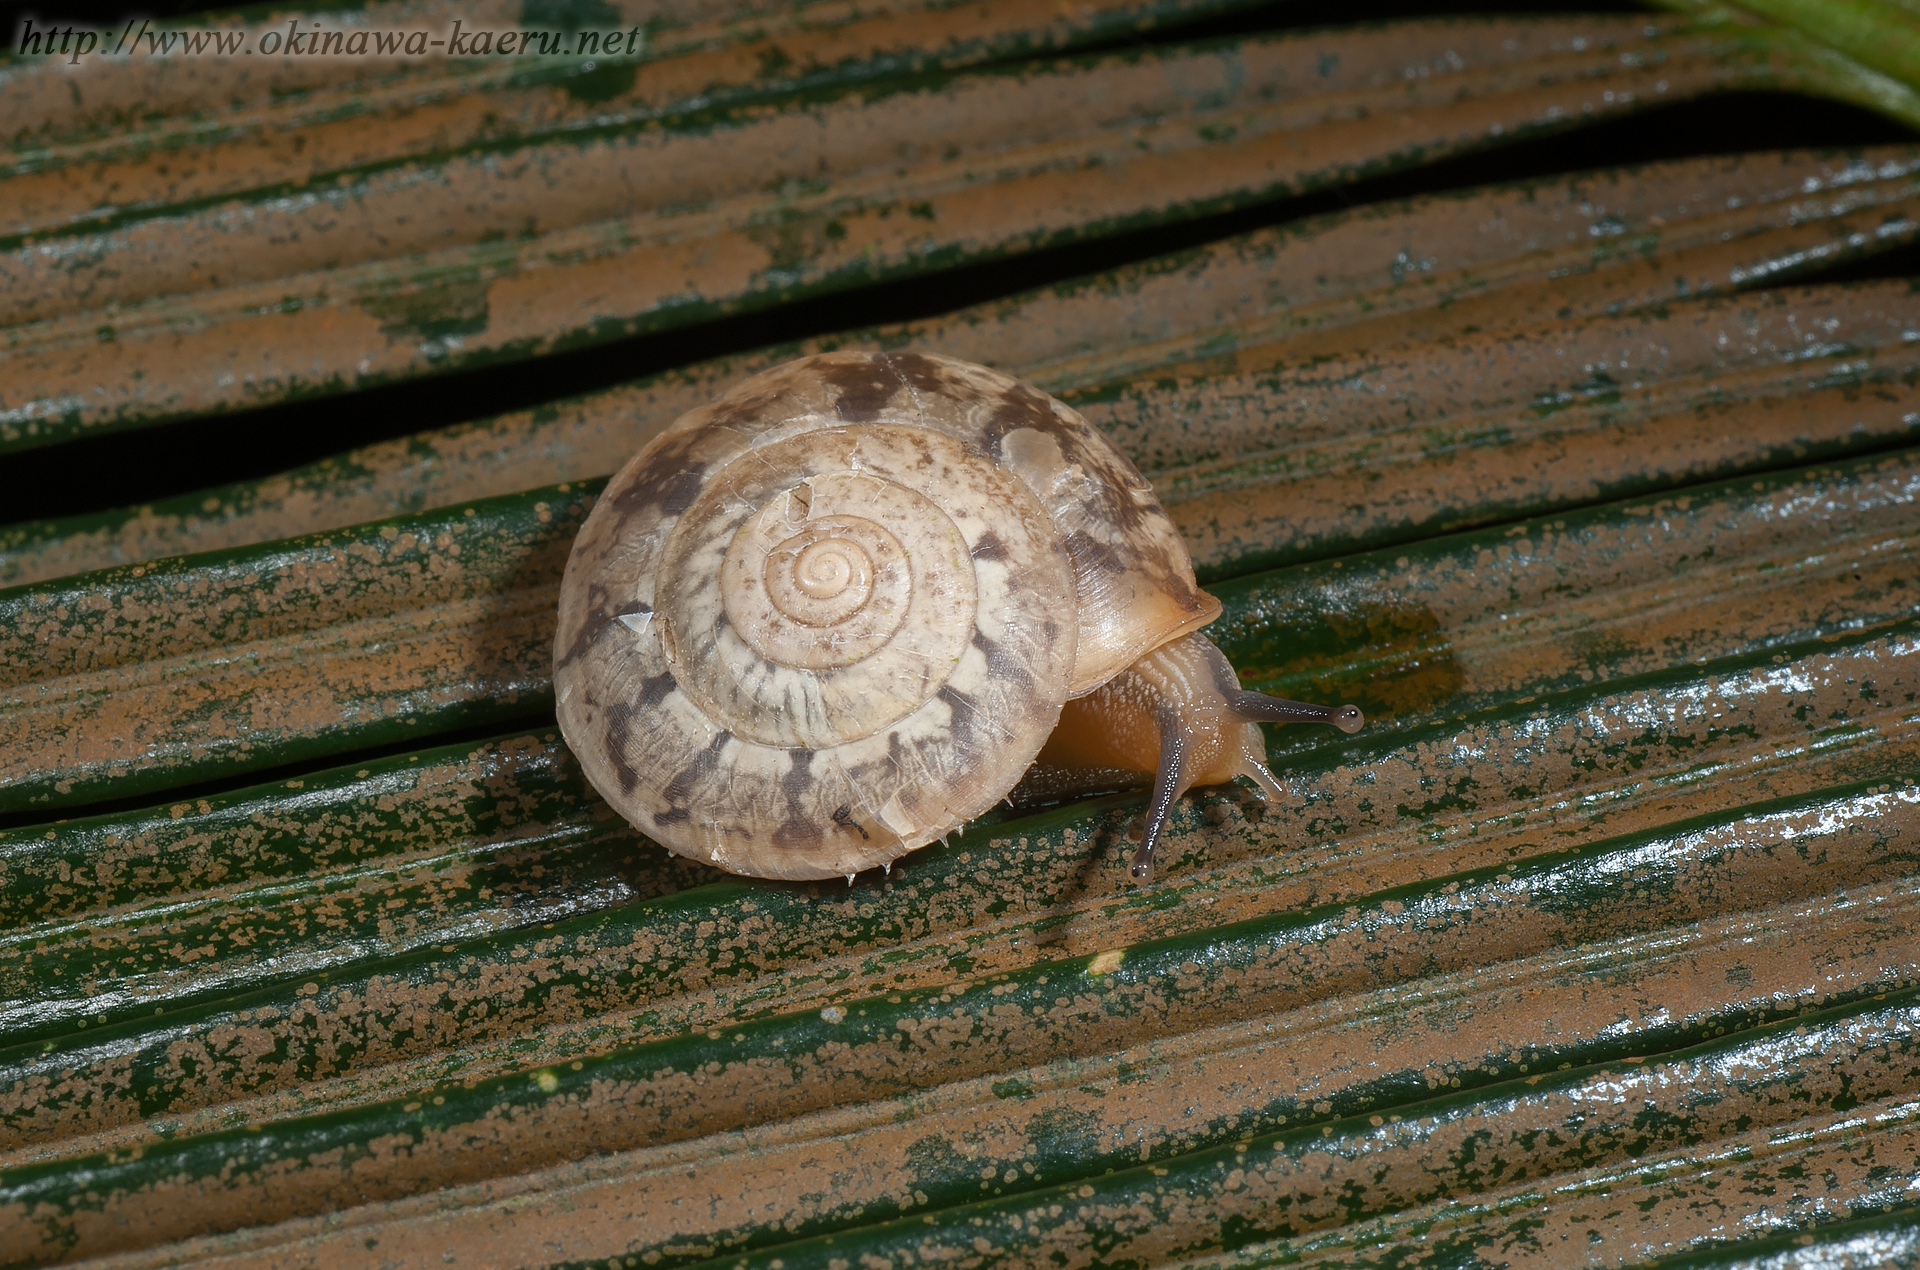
1601, 941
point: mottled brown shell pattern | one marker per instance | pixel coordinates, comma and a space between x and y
835, 613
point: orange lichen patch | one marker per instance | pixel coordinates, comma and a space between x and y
369, 631
1018, 1128
864, 1157
1565, 399
592, 236
238, 112
1416, 438
1512, 613
1500, 260
211, 895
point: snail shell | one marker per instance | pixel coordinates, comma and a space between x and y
837, 612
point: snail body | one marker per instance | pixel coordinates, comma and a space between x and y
840, 610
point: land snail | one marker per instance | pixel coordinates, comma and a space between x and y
845, 607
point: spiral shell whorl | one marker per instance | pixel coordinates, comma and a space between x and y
824, 574
829, 646
842, 669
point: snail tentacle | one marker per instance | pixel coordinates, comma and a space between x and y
1169, 782
1258, 707
1176, 718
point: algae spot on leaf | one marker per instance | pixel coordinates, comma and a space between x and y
568, 15
602, 79
1597, 389
448, 307
935, 1165
1388, 658
606, 71
774, 62
1064, 1138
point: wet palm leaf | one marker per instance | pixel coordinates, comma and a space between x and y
1600, 941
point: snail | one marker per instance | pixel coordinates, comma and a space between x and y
842, 609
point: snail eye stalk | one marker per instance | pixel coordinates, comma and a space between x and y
1258, 707
1175, 773
1169, 783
